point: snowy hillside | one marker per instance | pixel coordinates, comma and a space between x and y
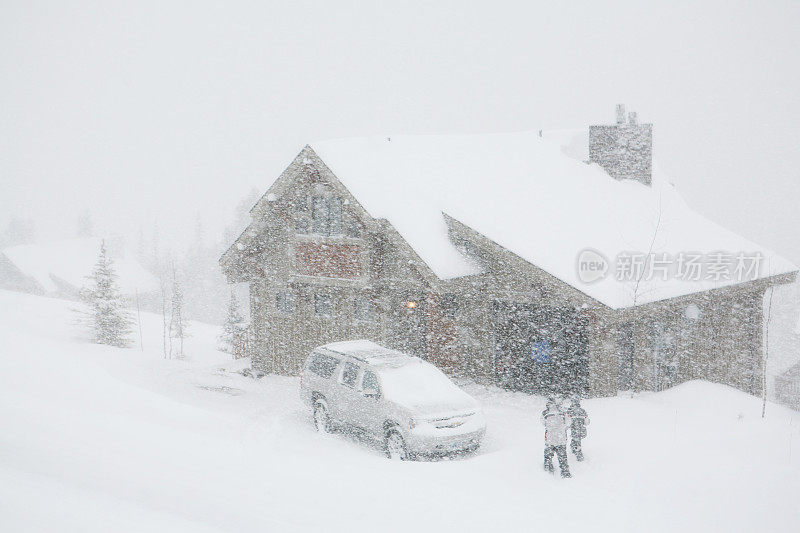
61, 266
102, 439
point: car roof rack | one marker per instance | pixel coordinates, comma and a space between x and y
368, 352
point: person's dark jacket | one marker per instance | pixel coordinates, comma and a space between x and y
578, 421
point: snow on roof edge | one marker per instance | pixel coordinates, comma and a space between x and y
361, 163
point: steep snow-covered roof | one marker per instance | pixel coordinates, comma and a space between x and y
534, 196
71, 260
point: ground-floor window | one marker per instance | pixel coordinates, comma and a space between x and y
540, 349
665, 362
323, 305
625, 351
284, 301
363, 309
448, 305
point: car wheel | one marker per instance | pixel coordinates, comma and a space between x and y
396, 446
322, 422
472, 449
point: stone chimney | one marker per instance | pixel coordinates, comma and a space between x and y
625, 149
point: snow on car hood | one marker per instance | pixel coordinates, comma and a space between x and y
423, 388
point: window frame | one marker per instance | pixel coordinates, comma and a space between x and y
448, 305
302, 225
288, 300
335, 223
325, 358
319, 215
319, 300
360, 303
358, 373
352, 228
377, 381
327, 215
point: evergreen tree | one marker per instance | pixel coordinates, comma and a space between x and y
177, 325
85, 224
109, 321
234, 326
19, 231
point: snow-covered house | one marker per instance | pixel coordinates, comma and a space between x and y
60, 268
786, 384
539, 260
787, 387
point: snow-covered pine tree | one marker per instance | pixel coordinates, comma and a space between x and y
177, 325
166, 339
85, 225
233, 328
110, 323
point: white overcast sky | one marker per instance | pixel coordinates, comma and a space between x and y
146, 111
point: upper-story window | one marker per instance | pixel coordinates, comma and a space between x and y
326, 215
353, 228
319, 215
301, 225
335, 215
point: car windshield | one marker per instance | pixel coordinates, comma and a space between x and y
422, 386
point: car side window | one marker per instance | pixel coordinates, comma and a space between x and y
323, 365
349, 374
370, 382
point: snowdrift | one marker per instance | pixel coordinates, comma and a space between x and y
103, 439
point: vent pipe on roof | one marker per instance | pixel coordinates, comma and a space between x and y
620, 114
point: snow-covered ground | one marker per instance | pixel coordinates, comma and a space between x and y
100, 439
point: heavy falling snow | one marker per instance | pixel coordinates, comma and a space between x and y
331, 266
97, 439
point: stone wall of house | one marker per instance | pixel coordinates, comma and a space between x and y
722, 344
603, 362
472, 335
452, 322
310, 287
509, 279
787, 388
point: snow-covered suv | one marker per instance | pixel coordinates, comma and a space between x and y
407, 404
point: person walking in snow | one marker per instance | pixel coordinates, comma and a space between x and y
554, 420
578, 420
